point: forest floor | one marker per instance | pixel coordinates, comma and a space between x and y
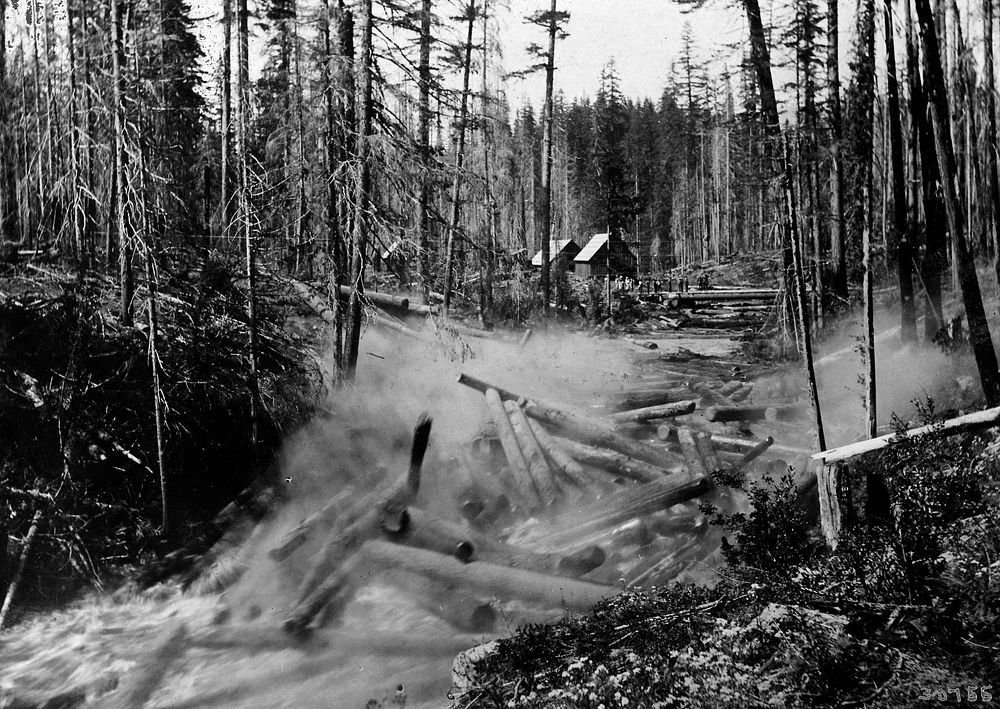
775, 620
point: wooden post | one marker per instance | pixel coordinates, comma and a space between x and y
829, 504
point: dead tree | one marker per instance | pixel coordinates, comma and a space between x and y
979, 333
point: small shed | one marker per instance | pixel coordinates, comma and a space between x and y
565, 250
603, 253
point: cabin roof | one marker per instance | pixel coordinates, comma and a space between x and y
556, 247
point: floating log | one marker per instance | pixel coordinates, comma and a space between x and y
328, 597
143, 679
752, 454
652, 413
358, 524
561, 460
742, 445
502, 582
620, 507
685, 437
418, 529
482, 387
541, 474
318, 522
524, 339
977, 421
461, 610
516, 460
596, 433
485, 548
703, 442
618, 463
22, 562
708, 395
753, 412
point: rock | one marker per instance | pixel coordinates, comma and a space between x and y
462, 673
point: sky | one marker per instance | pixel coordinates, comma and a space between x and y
642, 36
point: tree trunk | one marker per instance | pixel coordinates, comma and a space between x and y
934, 259
800, 293
363, 192
245, 206
125, 282
989, 92
456, 185
838, 244
545, 207
904, 260
424, 138
979, 333
225, 192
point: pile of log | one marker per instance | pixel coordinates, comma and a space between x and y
707, 308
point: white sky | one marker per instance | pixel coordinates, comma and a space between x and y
643, 36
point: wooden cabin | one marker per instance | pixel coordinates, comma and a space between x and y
603, 254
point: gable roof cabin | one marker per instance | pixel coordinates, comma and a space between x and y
593, 259
560, 247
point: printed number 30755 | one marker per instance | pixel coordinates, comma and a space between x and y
969, 693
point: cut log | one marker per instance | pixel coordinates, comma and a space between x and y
652, 413
356, 525
618, 463
742, 445
315, 524
977, 421
463, 611
328, 597
685, 437
708, 395
381, 299
502, 582
541, 474
516, 459
418, 529
485, 548
620, 507
142, 680
560, 459
707, 452
751, 412
647, 398
596, 433
482, 387
752, 454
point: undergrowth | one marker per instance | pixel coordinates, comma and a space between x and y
902, 612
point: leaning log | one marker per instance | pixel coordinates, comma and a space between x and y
652, 413
618, 463
593, 432
978, 421
685, 437
502, 582
707, 451
620, 507
482, 387
752, 454
561, 460
315, 524
364, 521
22, 562
541, 473
516, 459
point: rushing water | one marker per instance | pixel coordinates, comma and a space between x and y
176, 650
